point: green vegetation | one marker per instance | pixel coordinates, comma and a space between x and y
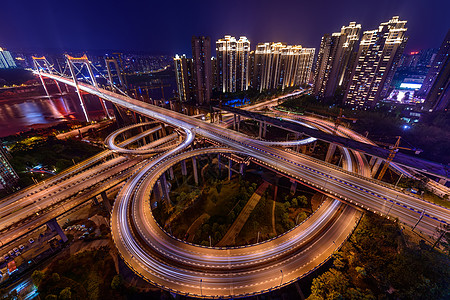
50, 153
86, 275
380, 261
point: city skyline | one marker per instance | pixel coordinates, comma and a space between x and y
137, 30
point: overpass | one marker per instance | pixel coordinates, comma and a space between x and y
344, 185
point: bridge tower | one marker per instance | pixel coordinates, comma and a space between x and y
84, 61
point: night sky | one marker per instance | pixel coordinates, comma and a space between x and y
166, 27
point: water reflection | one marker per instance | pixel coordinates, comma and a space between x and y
22, 115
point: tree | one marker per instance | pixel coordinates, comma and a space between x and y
294, 202
55, 277
330, 285
65, 294
116, 282
302, 201
51, 297
37, 277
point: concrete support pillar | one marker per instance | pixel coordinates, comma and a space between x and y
330, 152
218, 163
238, 123
234, 122
264, 130
293, 186
106, 202
194, 166
241, 168
163, 130
157, 191
443, 181
171, 176
183, 168
260, 129
94, 199
164, 188
376, 166
229, 169
54, 226
373, 159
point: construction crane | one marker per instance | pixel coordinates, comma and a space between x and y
393, 151
339, 120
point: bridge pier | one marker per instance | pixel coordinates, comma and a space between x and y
106, 202
229, 169
330, 152
241, 168
165, 190
293, 186
54, 226
183, 168
218, 163
376, 166
194, 166
238, 123
171, 176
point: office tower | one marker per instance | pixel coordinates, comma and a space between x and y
437, 65
438, 92
378, 56
335, 60
279, 65
6, 60
8, 177
214, 73
232, 64
202, 71
184, 77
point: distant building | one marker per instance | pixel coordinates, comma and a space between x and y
335, 60
202, 70
184, 77
437, 83
280, 65
8, 177
6, 60
378, 56
232, 64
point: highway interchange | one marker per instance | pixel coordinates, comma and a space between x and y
184, 275
210, 272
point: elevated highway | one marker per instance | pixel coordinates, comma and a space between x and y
346, 186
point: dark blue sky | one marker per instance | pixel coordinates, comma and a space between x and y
166, 26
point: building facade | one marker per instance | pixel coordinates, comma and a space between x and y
378, 56
184, 77
436, 86
202, 69
280, 65
232, 63
8, 177
6, 60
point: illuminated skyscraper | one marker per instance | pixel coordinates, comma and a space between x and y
202, 71
335, 60
379, 53
277, 64
437, 83
184, 77
8, 177
232, 64
6, 60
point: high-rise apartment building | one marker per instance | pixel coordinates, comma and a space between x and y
6, 60
184, 77
437, 83
335, 60
378, 55
8, 177
437, 65
202, 70
279, 65
232, 64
